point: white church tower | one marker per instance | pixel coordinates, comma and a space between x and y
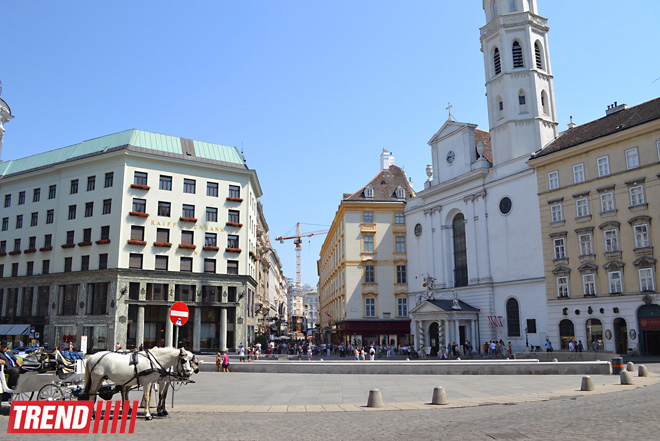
5, 117
519, 83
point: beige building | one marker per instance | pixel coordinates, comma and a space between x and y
363, 295
599, 196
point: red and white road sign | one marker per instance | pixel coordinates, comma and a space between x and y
179, 314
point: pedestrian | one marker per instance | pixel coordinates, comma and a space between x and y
571, 346
548, 345
510, 349
595, 345
362, 354
12, 366
309, 352
218, 361
372, 353
225, 362
241, 352
118, 348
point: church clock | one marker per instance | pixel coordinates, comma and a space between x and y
450, 157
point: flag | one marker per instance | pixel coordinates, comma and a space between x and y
328, 314
495, 321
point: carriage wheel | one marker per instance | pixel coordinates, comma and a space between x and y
50, 392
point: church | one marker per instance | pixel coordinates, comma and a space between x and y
475, 252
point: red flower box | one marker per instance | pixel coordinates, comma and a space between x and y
30, 250
45, 248
3, 254
210, 248
234, 224
137, 242
102, 241
187, 246
13, 253
68, 245
163, 244
138, 213
140, 186
235, 199
188, 219
233, 250
254, 256
86, 243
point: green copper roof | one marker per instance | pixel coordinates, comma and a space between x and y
170, 145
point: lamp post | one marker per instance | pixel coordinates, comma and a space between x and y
526, 340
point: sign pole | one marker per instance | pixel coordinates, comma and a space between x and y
176, 337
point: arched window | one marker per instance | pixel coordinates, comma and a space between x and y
522, 101
512, 318
460, 251
496, 62
517, 55
594, 333
566, 333
500, 108
494, 8
544, 102
537, 54
512, 5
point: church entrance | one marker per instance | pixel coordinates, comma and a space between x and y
433, 338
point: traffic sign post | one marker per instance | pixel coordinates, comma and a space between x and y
179, 316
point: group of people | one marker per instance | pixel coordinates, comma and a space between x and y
12, 365
497, 349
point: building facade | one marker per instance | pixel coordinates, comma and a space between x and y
363, 264
598, 195
100, 238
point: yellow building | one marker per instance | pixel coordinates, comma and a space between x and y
599, 193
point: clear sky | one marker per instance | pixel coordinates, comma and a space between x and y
312, 90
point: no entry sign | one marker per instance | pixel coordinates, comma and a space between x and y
179, 314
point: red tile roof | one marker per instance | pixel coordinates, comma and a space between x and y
385, 185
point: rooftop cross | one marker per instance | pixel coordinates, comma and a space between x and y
449, 106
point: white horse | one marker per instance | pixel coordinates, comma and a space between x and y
142, 368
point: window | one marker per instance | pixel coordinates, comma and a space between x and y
611, 240
400, 193
163, 235
401, 276
19, 221
52, 191
105, 232
369, 192
72, 212
402, 307
187, 237
5, 223
17, 244
165, 183
636, 195
553, 180
45, 266
137, 232
562, 286
48, 240
161, 263
494, 8
399, 244
164, 208
21, 198
522, 102
582, 207
188, 211
512, 318
589, 284
544, 102
89, 209
586, 244
632, 158
500, 108
368, 243
234, 191
210, 240
189, 186
87, 235
646, 279
74, 186
232, 267
538, 55
460, 251
84, 263
212, 214
34, 220
369, 274
232, 241
578, 173
185, 264
91, 183
496, 62
97, 298
516, 50
14, 270
29, 272
36, 195
234, 216
209, 266
368, 217
641, 236
615, 281
607, 202
603, 166
109, 178
140, 205
107, 206
399, 218
370, 307
32, 242
556, 212
68, 264
135, 261
70, 236
139, 178
560, 248
512, 5
3, 246
103, 261
7, 200
212, 189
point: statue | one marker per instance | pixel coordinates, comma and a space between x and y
456, 304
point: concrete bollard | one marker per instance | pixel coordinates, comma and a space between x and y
587, 384
458, 358
626, 378
439, 396
375, 398
630, 367
554, 360
642, 371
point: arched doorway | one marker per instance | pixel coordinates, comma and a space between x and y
621, 336
594, 333
566, 333
649, 327
434, 341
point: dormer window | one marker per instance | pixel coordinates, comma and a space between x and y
369, 192
517, 55
400, 193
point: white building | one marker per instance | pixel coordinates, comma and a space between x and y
474, 232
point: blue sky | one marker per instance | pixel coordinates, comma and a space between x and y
312, 90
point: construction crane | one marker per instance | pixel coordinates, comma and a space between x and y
297, 240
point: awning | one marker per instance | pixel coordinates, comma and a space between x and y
14, 329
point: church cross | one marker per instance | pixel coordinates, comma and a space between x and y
449, 108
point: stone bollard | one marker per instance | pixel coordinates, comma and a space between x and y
587, 384
642, 371
630, 367
439, 396
626, 378
458, 358
375, 398
554, 360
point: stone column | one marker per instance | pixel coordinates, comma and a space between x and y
169, 327
473, 334
197, 328
421, 337
458, 333
20, 292
139, 330
223, 329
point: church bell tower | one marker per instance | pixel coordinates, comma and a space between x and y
519, 82
5, 116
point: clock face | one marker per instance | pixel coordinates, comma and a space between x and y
418, 230
450, 157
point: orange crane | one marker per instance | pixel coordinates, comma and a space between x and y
298, 241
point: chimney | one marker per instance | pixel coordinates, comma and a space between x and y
614, 108
571, 125
386, 159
